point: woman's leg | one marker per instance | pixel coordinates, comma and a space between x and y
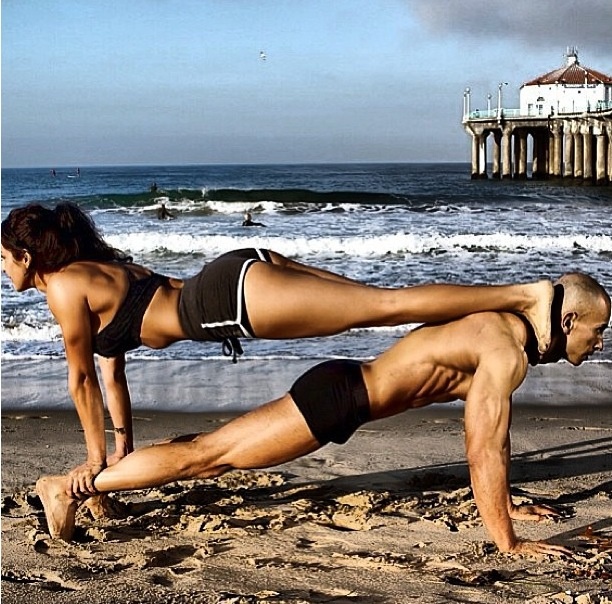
284, 262
287, 303
267, 436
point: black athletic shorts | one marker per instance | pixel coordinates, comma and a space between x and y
212, 305
333, 399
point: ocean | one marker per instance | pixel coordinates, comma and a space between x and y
385, 224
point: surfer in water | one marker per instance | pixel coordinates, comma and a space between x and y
248, 221
163, 213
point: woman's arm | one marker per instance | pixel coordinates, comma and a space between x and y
119, 405
68, 303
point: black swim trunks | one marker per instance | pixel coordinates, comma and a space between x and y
333, 399
212, 304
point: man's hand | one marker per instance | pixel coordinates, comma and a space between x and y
534, 513
80, 480
538, 549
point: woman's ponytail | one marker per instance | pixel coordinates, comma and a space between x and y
56, 237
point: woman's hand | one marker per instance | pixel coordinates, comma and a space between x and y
81, 480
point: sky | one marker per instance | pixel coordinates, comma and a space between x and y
170, 82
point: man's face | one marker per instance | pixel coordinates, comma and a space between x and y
586, 334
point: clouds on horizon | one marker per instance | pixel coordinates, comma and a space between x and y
545, 23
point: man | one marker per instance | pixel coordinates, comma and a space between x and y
248, 221
163, 213
481, 359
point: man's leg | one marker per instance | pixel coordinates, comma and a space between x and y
267, 436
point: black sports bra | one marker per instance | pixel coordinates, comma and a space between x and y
123, 332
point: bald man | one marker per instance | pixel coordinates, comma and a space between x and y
481, 359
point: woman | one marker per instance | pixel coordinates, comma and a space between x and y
106, 304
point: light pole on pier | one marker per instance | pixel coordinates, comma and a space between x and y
466, 103
499, 97
488, 104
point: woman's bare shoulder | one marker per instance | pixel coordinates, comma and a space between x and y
89, 269
84, 277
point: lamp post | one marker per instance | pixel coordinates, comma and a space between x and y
488, 104
466, 102
499, 97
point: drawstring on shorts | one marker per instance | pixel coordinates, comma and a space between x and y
231, 347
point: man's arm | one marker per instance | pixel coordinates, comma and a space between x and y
487, 428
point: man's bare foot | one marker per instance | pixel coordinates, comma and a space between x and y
538, 312
60, 509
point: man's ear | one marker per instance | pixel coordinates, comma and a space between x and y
567, 322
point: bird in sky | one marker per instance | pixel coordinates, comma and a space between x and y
262, 55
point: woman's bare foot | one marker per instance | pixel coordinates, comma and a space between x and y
111, 460
538, 312
60, 509
103, 506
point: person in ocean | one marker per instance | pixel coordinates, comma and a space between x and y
248, 221
163, 213
106, 305
481, 359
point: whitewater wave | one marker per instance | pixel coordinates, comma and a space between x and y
23, 332
367, 246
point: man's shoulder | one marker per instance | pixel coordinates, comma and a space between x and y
492, 332
495, 321
499, 339
470, 338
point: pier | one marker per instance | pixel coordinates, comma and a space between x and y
559, 146
563, 128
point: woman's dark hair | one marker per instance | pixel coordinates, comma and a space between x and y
55, 237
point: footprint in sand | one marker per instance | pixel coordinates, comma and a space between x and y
279, 562
52, 581
337, 596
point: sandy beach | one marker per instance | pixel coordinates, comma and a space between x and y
388, 517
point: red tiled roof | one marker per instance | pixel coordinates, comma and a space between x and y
572, 74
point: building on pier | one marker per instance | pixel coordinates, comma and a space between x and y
563, 128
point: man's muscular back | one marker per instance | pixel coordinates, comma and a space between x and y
437, 363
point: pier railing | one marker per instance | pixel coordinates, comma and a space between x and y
493, 114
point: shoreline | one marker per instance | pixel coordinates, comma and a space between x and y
218, 385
